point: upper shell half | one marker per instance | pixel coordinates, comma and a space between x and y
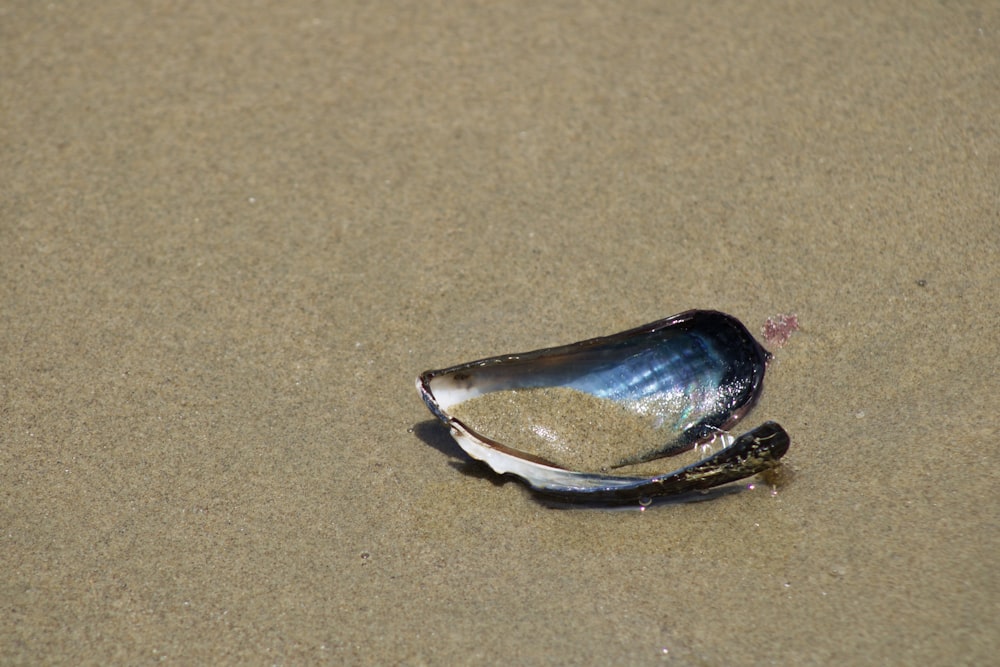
579, 421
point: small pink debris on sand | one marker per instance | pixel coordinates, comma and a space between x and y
778, 329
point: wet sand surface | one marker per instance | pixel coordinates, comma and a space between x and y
231, 235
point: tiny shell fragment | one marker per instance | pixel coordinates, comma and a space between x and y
778, 329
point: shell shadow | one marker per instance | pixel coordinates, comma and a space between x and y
634, 505
435, 434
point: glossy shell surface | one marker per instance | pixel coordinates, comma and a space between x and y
696, 374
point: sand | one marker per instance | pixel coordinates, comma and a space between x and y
575, 430
570, 428
232, 234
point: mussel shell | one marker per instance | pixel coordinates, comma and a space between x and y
706, 361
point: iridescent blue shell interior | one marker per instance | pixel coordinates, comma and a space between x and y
702, 370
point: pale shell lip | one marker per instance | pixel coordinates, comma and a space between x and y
751, 453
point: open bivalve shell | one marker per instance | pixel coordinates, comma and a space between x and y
582, 422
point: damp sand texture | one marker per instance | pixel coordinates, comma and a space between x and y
572, 429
